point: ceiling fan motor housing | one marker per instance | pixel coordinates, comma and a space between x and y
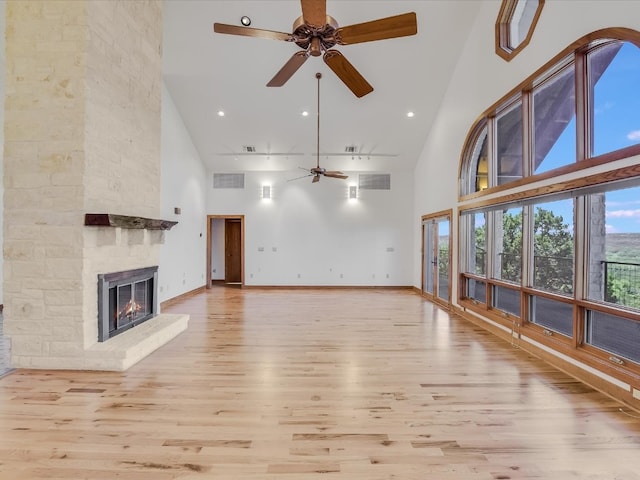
315, 39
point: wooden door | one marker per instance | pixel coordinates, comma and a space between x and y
232, 250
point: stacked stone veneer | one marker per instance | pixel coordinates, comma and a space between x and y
82, 135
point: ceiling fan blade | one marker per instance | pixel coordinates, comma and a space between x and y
289, 68
336, 175
347, 73
251, 32
314, 12
316, 178
390, 27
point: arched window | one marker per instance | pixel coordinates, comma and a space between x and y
585, 106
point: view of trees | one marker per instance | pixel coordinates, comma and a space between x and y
553, 253
553, 257
553, 247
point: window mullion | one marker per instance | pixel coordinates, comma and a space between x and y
527, 134
527, 246
584, 109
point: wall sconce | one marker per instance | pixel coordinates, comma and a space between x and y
266, 192
353, 192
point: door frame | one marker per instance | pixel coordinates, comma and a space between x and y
444, 214
210, 218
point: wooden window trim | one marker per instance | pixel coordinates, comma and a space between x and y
503, 22
579, 49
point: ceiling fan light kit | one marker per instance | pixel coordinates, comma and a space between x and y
316, 32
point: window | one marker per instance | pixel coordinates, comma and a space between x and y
613, 334
614, 247
581, 111
554, 121
515, 24
508, 233
614, 76
509, 144
552, 314
553, 247
550, 207
478, 232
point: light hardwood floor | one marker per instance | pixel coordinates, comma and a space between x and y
309, 384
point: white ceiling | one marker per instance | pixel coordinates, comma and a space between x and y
206, 72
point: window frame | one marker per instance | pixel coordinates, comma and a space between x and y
579, 51
504, 46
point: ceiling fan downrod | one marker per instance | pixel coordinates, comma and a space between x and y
318, 76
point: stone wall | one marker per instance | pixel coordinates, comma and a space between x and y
82, 135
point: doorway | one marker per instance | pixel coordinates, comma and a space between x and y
225, 249
436, 255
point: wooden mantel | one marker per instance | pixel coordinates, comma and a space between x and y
126, 221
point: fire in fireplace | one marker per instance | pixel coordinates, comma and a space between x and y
125, 299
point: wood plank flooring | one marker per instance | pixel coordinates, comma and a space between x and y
310, 384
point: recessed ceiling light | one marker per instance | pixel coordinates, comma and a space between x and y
246, 21
305, 113
410, 114
221, 113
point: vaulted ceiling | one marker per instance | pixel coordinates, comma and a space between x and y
206, 72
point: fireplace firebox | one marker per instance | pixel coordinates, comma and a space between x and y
126, 299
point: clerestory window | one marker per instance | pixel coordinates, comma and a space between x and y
515, 25
568, 116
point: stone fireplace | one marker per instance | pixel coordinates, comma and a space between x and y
82, 134
126, 299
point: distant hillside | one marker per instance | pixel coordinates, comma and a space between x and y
623, 247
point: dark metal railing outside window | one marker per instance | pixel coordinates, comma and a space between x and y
622, 283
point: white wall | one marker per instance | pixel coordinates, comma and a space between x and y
312, 234
482, 78
183, 254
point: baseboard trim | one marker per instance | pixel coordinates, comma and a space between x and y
329, 287
181, 297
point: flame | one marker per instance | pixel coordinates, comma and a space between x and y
131, 309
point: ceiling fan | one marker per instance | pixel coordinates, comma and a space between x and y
315, 32
317, 171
